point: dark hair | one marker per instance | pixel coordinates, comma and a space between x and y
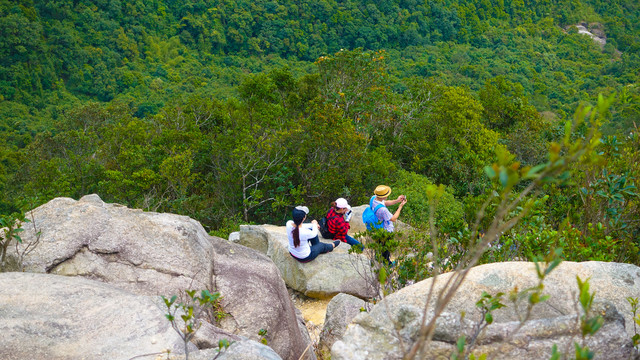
296, 236
334, 205
298, 218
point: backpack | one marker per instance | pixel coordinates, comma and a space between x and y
369, 217
324, 228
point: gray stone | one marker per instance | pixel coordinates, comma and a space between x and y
239, 350
327, 275
257, 298
356, 224
340, 311
396, 319
52, 317
593, 30
144, 252
248, 350
163, 254
234, 236
208, 336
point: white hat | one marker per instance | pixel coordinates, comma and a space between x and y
342, 203
303, 208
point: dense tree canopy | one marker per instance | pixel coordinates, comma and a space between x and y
232, 111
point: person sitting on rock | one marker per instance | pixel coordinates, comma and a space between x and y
338, 222
304, 244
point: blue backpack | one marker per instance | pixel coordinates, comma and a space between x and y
369, 216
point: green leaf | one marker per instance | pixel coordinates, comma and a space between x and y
567, 133
538, 271
490, 172
533, 172
555, 355
461, 343
488, 318
504, 177
223, 343
594, 324
555, 262
382, 275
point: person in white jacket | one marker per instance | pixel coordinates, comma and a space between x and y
304, 244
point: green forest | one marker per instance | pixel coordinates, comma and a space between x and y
232, 112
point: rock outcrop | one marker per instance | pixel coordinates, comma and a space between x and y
151, 253
340, 312
327, 275
396, 320
594, 31
248, 350
239, 350
356, 224
144, 252
46, 316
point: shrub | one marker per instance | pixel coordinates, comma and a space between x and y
449, 215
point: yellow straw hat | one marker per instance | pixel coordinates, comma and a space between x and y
382, 191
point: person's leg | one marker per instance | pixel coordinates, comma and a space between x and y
353, 242
318, 248
314, 241
387, 256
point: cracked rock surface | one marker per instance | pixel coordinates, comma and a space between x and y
144, 252
394, 322
57, 317
154, 254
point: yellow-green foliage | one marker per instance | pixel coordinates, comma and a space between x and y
449, 215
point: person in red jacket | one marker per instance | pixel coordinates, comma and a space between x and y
338, 225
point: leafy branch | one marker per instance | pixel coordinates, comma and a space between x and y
508, 175
190, 313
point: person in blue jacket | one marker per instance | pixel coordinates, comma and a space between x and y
382, 193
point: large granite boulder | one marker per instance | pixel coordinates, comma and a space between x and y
327, 275
52, 317
340, 312
144, 252
377, 334
356, 224
256, 298
163, 254
248, 350
239, 350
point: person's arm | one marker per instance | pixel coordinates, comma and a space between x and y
393, 202
310, 230
314, 228
396, 215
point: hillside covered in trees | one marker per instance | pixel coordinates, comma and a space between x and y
232, 111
